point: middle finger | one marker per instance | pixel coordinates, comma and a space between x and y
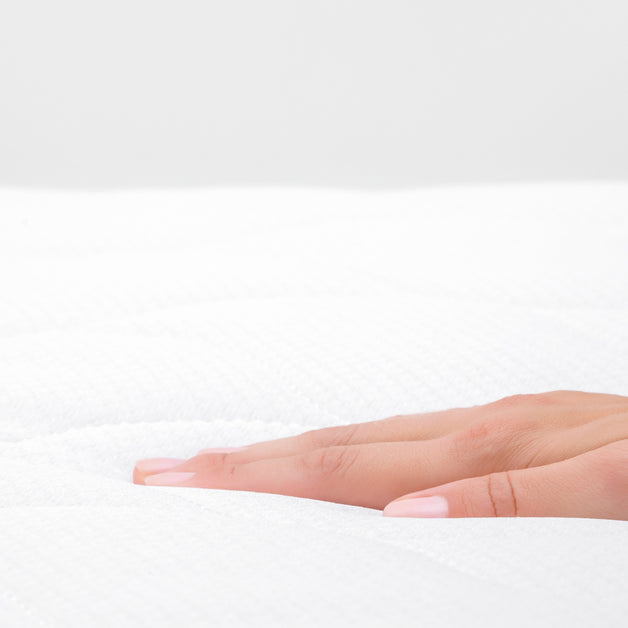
408, 427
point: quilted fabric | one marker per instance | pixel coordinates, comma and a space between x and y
143, 323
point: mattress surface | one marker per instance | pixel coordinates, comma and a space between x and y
146, 324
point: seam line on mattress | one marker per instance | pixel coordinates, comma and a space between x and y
371, 537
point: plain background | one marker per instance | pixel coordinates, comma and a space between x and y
326, 92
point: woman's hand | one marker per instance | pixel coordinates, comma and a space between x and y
556, 454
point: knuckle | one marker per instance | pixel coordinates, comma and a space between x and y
621, 405
466, 444
612, 461
482, 430
312, 439
208, 462
492, 443
330, 461
554, 397
511, 401
536, 453
340, 435
551, 397
396, 417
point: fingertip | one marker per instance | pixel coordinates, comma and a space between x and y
150, 466
138, 476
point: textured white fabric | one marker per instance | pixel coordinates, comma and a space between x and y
142, 324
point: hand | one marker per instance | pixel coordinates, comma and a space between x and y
555, 454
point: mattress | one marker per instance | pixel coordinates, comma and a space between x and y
146, 323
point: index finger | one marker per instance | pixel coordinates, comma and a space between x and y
368, 475
410, 427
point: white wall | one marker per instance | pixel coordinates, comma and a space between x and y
332, 92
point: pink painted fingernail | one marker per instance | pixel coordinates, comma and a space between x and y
147, 466
157, 465
434, 506
222, 450
175, 478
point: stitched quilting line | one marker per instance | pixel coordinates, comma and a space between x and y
148, 310
390, 284
308, 523
371, 537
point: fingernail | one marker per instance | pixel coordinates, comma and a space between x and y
435, 506
168, 479
157, 465
145, 467
222, 450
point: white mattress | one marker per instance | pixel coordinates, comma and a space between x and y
147, 324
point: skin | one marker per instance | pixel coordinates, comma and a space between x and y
561, 453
